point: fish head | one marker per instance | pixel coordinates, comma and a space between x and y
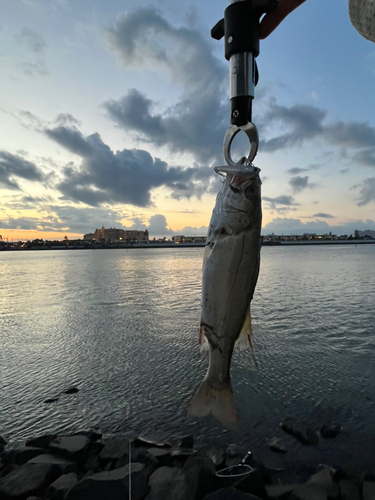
239, 201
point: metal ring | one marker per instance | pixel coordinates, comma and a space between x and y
251, 132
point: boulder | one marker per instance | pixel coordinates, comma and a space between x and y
169, 483
25, 454
330, 431
41, 441
113, 485
71, 447
252, 483
2, 441
277, 445
148, 443
63, 465
216, 455
27, 480
201, 476
306, 435
186, 442
114, 450
59, 488
230, 494
348, 490
162, 455
368, 490
320, 486
92, 434
35, 498
279, 491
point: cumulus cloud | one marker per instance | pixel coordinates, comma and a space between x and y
366, 192
299, 183
281, 203
197, 123
296, 226
13, 167
126, 176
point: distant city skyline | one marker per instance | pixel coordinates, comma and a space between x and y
114, 114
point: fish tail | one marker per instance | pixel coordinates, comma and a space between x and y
216, 402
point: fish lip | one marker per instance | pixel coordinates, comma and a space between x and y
233, 209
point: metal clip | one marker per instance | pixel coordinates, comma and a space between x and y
252, 134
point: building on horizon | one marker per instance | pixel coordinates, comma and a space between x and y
121, 235
369, 233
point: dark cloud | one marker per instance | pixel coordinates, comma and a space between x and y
366, 157
296, 226
13, 167
299, 183
297, 170
281, 204
197, 123
366, 191
67, 119
126, 176
351, 134
32, 40
324, 216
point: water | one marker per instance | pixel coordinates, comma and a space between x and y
122, 326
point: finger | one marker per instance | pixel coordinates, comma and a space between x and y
271, 21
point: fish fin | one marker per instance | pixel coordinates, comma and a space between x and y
216, 402
244, 340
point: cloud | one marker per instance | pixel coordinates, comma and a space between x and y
324, 216
297, 170
281, 203
126, 176
366, 192
296, 226
13, 167
32, 40
197, 123
34, 69
299, 183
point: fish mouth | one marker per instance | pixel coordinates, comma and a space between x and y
238, 170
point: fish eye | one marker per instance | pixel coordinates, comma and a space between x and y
234, 189
249, 191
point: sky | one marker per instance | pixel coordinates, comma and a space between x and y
113, 114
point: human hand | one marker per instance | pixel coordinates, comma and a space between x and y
273, 19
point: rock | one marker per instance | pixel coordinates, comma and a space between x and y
63, 465
35, 498
279, 491
201, 476
71, 390
113, 485
368, 490
26, 454
216, 455
230, 494
6, 470
41, 441
162, 455
51, 400
147, 443
169, 483
186, 442
252, 483
114, 450
348, 490
71, 447
92, 434
180, 455
277, 445
27, 480
319, 487
59, 488
330, 431
2, 441
300, 431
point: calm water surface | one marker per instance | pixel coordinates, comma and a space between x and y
122, 326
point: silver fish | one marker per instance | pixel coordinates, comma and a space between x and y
230, 273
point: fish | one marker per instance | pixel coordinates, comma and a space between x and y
230, 272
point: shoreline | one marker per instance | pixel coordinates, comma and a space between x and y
89, 464
187, 245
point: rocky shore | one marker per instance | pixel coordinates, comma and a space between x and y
90, 466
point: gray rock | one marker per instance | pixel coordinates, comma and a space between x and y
6, 470
348, 490
277, 445
279, 491
162, 455
143, 456
180, 455
330, 431
72, 447
2, 441
63, 465
71, 390
26, 454
41, 441
230, 494
368, 490
92, 434
169, 483
113, 485
35, 498
186, 442
59, 488
216, 455
114, 450
252, 483
300, 431
201, 476
27, 480
148, 443
320, 486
